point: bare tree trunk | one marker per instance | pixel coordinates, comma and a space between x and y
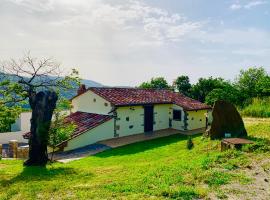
43, 105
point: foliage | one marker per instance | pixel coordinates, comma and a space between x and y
59, 131
204, 86
227, 93
182, 84
259, 107
190, 143
8, 116
155, 83
10, 108
263, 86
251, 81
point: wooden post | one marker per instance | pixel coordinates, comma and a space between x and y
13, 148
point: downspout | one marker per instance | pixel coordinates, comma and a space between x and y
114, 112
185, 120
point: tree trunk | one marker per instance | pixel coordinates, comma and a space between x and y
43, 105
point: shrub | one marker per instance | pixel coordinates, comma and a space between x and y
259, 107
190, 143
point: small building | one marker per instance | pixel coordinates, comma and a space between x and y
106, 113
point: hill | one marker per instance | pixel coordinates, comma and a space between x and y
66, 94
158, 169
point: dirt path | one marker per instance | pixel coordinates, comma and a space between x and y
257, 189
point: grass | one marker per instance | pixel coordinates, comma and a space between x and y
259, 107
159, 169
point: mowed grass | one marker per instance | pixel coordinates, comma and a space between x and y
158, 169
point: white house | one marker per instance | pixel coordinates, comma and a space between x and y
106, 113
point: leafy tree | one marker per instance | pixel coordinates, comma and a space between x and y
204, 86
227, 93
182, 84
263, 86
10, 108
8, 116
155, 83
38, 81
60, 129
249, 80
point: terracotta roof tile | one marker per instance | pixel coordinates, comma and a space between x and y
135, 96
84, 122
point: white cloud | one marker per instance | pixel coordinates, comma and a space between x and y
154, 23
235, 7
250, 5
254, 4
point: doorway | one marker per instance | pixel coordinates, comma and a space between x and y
148, 118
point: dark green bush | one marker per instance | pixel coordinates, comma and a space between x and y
190, 143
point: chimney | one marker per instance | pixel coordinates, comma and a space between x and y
81, 90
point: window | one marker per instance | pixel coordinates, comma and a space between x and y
177, 115
94, 100
127, 118
131, 126
105, 104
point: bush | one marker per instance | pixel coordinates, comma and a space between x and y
190, 143
259, 107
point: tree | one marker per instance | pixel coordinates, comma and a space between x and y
9, 108
60, 129
263, 86
204, 86
155, 83
183, 85
227, 93
38, 81
248, 81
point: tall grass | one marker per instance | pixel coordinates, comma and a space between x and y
259, 107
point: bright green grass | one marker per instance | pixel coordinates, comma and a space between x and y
157, 169
260, 107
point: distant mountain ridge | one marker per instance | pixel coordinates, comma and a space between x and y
66, 94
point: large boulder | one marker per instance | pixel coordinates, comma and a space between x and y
226, 119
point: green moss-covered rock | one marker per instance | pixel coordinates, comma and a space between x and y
226, 119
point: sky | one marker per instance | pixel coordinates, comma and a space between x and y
126, 42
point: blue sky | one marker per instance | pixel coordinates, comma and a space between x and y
126, 42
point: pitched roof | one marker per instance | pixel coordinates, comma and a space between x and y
86, 121
83, 121
136, 96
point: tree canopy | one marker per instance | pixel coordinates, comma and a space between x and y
155, 83
250, 83
182, 84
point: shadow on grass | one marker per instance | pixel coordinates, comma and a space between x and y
30, 174
139, 147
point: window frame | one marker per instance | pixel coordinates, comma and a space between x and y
180, 115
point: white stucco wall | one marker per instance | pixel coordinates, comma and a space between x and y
101, 132
176, 124
161, 116
6, 137
196, 119
86, 103
136, 119
22, 123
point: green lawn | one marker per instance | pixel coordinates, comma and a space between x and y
157, 169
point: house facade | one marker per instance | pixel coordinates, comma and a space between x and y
105, 113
